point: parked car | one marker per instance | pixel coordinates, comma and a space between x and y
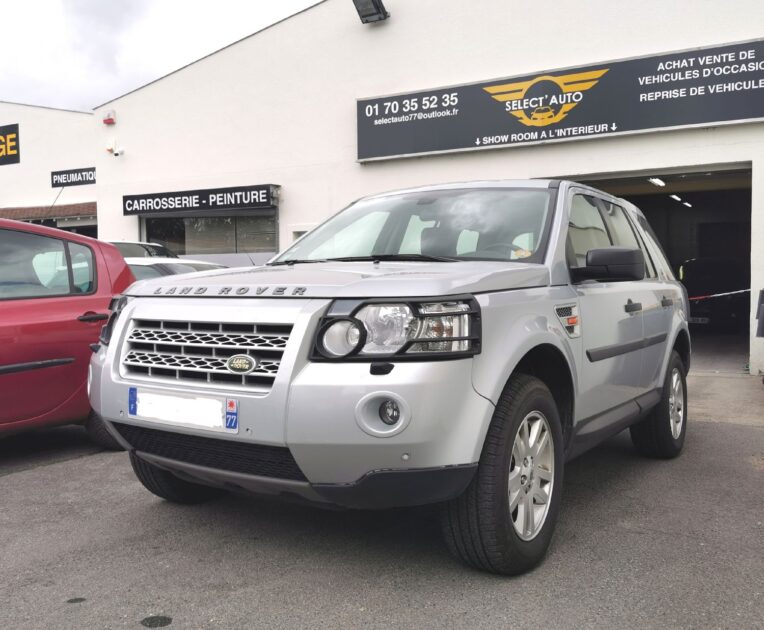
146, 268
704, 277
135, 249
55, 291
452, 344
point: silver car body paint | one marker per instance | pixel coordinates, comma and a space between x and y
311, 407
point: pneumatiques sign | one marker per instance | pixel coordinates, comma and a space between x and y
73, 177
701, 87
10, 149
205, 202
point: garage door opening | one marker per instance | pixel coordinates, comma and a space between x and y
703, 221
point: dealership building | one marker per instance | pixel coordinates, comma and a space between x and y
239, 153
38, 148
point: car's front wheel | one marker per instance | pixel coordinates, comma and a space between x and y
504, 521
169, 487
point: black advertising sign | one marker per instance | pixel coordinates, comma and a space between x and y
73, 177
10, 149
207, 202
701, 87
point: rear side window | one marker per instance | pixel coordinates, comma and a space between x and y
586, 230
659, 256
33, 266
620, 229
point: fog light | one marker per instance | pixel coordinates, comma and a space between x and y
389, 412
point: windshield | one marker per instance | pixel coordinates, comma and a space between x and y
462, 224
145, 272
190, 267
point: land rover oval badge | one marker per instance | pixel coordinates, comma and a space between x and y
241, 364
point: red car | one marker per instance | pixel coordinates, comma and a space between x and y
55, 291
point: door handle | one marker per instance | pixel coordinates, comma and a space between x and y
92, 316
632, 307
667, 302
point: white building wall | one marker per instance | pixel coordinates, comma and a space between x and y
51, 140
279, 107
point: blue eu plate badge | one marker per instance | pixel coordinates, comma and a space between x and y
231, 414
132, 402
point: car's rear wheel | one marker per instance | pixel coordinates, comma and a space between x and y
169, 487
97, 432
504, 521
662, 432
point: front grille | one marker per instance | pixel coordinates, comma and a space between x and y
197, 352
251, 459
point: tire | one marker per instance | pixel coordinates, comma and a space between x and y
98, 433
661, 434
478, 526
169, 487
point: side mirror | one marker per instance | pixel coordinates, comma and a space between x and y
611, 263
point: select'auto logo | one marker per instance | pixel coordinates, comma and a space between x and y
546, 99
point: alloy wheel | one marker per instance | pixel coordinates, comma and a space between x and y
531, 475
676, 404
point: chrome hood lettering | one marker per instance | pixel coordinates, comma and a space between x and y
240, 290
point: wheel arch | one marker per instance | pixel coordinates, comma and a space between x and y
542, 355
547, 363
682, 346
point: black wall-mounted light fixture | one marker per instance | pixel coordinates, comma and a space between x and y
371, 10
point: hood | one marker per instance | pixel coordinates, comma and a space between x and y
350, 280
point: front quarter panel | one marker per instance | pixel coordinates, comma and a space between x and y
515, 322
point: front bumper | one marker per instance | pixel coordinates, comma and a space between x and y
379, 489
323, 415
272, 470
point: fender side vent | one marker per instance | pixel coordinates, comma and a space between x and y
569, 318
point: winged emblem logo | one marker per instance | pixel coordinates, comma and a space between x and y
546, 99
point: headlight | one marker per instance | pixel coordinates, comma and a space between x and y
388, 327
115, 306
341, 338
411, 330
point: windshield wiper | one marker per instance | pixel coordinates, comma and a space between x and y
403, 257
372, 258
295, 261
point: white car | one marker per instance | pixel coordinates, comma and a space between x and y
136, 249
147, 268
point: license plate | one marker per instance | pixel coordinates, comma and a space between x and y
212, 414
698, 320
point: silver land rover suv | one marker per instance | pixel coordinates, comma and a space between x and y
451, 344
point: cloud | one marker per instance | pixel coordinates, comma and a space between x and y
99, 27
76, 54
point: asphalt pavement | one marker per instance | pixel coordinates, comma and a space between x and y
639, 543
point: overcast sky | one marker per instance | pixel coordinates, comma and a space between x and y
76, 54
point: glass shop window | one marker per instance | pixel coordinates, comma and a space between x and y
215, 235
